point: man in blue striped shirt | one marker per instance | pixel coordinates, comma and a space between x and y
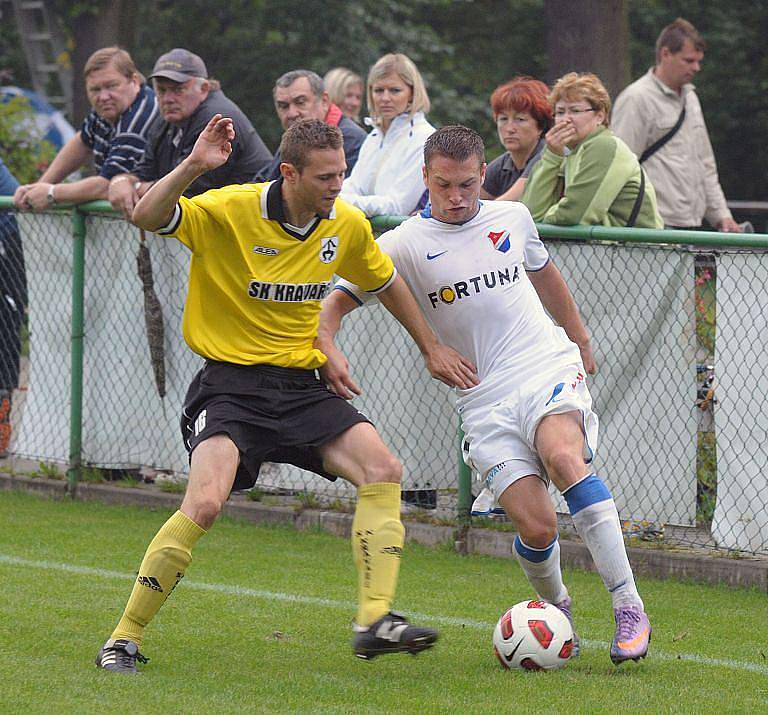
114, 134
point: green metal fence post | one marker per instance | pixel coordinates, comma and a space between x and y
465, 485
77, 332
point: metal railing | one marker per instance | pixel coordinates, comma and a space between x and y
659, 303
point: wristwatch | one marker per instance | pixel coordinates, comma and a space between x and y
51, 195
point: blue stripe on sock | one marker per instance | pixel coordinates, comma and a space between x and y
588, 491
535, 556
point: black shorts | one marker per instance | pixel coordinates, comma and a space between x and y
272, 414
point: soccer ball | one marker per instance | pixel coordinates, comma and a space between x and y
533, 635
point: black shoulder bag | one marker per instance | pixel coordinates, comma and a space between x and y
651, 150
638, 201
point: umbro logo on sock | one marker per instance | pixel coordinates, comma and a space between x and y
150, 582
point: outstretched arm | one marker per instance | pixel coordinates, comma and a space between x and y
443, 363
212, 149
557, 299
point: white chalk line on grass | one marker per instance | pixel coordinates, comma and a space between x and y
349, 605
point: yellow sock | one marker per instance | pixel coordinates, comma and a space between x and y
377, 544
164, 564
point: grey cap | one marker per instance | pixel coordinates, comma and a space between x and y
179, 65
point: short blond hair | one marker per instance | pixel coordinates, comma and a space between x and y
112, 57
587, 86
338, 81
403, 67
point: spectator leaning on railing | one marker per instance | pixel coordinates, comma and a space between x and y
114, 134
586, 175
523, 115
300, 94
187, 100
387, 177
660, 119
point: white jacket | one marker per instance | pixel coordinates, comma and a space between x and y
387, 177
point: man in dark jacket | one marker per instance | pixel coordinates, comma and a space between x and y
188, 99
300, 94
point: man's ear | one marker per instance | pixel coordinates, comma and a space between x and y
289, 172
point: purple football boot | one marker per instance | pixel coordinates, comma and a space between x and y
565, 607
633, 634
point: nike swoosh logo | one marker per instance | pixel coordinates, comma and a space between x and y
636, 641
432, 256
512, 654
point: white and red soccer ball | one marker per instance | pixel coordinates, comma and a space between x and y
533, 635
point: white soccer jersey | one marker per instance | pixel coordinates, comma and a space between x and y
471, 283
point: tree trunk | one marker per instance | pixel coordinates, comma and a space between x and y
589, 36
112, 24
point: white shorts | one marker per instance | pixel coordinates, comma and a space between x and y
499, 440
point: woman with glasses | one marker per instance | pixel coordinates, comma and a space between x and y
387, 177
522, 114
586, 174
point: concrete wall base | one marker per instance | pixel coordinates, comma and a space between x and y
650, 562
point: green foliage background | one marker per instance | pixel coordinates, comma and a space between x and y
22, 148
463, 47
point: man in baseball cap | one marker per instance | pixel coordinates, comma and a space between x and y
179, 65
187, 99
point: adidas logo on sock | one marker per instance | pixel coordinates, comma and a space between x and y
150, 582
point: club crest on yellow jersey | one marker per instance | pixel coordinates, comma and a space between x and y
329, 248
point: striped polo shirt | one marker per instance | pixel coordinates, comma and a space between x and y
118, 149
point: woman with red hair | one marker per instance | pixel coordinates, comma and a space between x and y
523, 115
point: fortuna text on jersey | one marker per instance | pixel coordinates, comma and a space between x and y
472, 286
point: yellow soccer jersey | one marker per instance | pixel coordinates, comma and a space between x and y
256, 282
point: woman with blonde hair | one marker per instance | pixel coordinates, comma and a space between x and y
387, 177
345, 89
586, 174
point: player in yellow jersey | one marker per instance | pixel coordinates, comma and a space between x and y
263, 257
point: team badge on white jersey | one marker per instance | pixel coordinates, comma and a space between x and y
500, 240
329, 247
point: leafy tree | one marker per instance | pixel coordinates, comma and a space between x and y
22, 147
732, 85
13, 65
464, 48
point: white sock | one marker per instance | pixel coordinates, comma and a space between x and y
597, 522
542, 567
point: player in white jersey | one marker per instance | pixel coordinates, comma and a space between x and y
483, 278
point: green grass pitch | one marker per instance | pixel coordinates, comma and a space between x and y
261, 623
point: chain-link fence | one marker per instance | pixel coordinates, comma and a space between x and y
678, 333
13, 303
